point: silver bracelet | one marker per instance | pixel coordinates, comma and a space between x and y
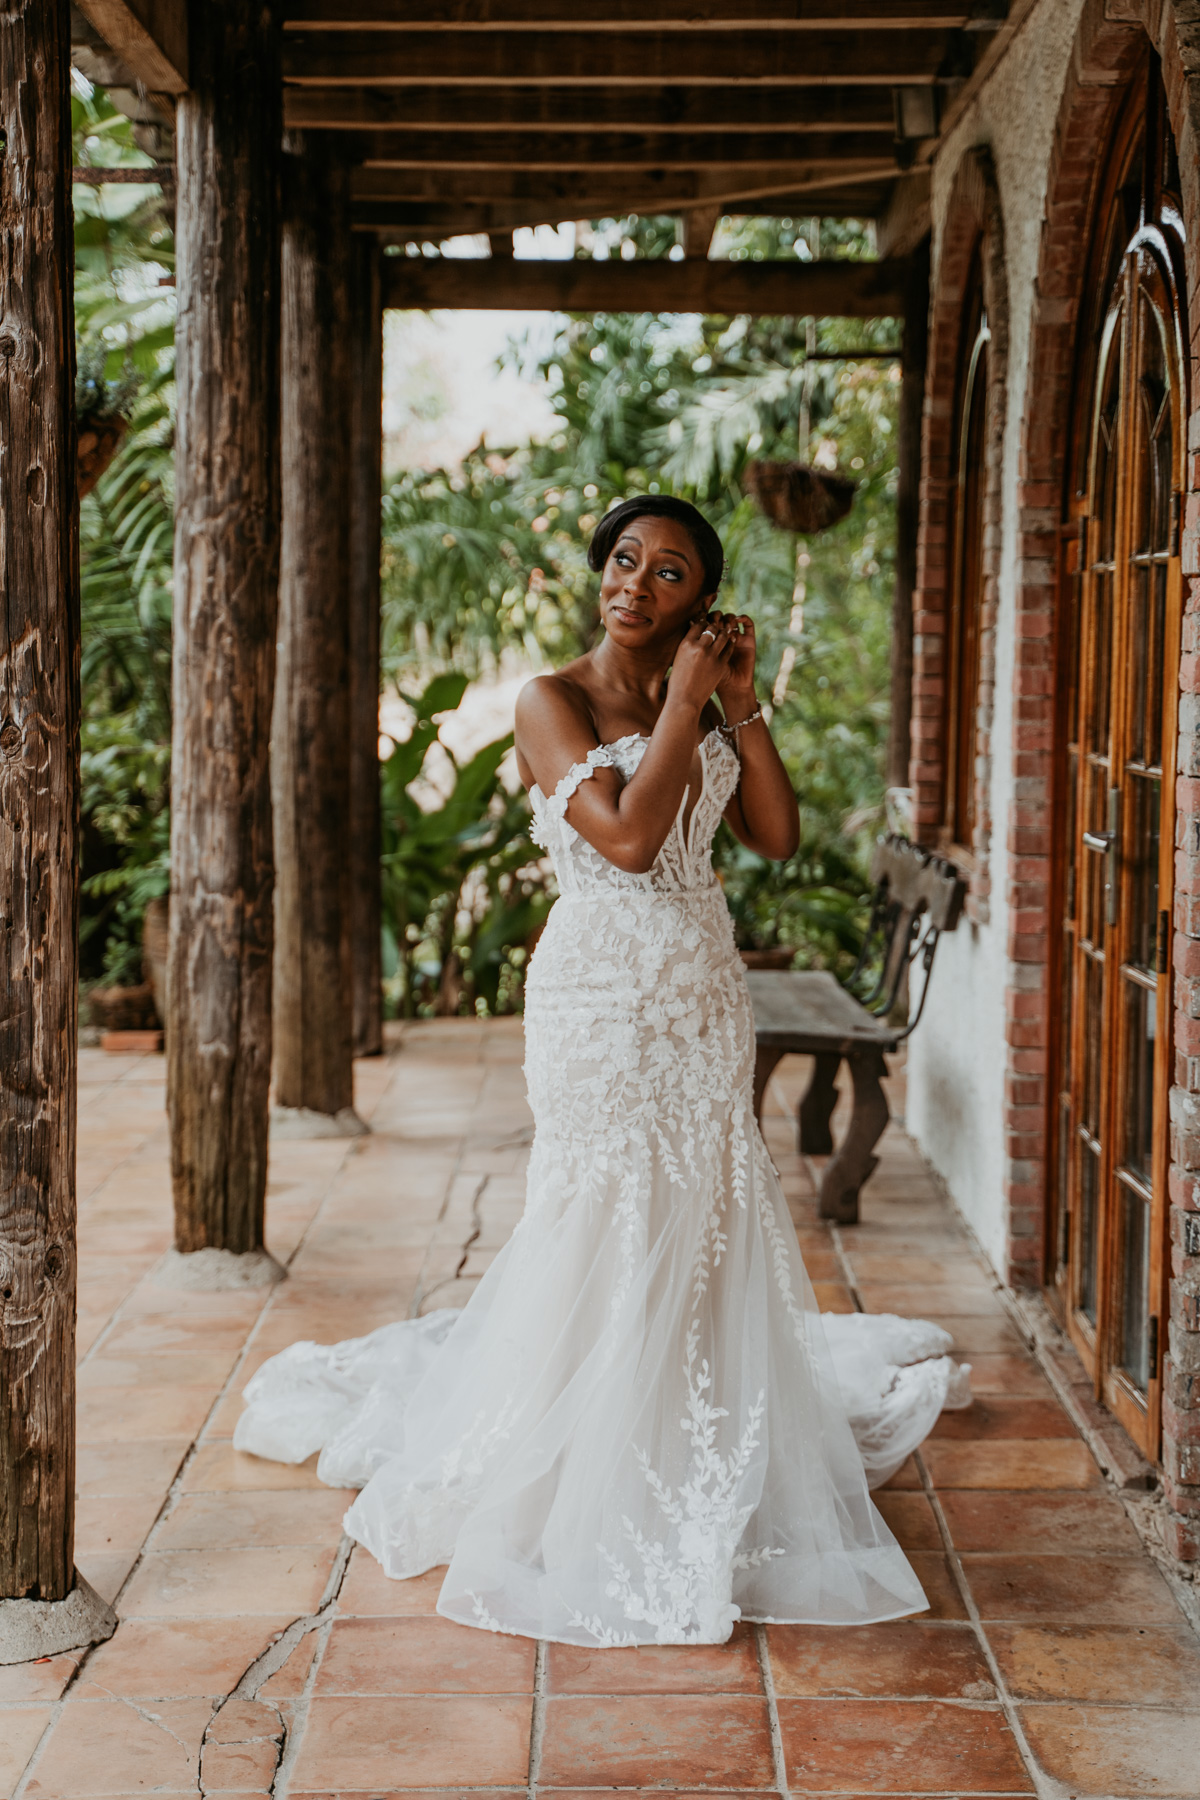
729, 732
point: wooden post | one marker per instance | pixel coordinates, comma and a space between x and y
366, 389
226, 596
314, 1022
908, 488
39, 807
699, 224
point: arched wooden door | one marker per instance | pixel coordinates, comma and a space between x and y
1115, 845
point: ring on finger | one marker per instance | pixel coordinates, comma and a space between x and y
708, 634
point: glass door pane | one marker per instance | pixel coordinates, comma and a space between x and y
1115, 818
1150, 437
1085, 1104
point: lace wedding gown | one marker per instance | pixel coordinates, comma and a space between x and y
639, 1428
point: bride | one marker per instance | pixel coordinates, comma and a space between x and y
640, 1428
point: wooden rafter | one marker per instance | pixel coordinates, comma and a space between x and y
402, 221
641, 15
599, 151
574, 194
906, 218
698, 227
525, 109
149, 36
848, 289
591, 58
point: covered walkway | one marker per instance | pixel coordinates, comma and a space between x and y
257, 1654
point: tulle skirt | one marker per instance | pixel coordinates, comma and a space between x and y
640, 1428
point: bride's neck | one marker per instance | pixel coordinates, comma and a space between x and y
633, 674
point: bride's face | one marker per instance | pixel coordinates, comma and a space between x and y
650, 590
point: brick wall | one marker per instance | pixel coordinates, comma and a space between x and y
1090, 99
1112, 36
973, 222
1176, 31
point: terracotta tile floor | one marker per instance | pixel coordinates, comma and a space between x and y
257, 1655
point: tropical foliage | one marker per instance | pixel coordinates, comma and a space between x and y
490, 557
464, 889
124, 253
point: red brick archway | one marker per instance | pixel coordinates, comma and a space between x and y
1105, 53
973, 224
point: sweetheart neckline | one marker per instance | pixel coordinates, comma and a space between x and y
630, 737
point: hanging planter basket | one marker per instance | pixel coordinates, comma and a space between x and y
99, 440
797, 498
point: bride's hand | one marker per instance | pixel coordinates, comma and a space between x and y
736, 688
701, 662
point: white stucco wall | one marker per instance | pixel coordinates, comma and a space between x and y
955, 1106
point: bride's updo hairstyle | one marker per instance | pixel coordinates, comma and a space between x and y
660, 506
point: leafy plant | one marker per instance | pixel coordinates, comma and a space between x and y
493, 555
124, 324
463, 888
812, 904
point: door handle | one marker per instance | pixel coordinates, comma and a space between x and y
1107, 844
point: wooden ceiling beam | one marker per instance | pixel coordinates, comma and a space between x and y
594, 58
149, 36
592, 150
827, 289
623, 15
854, 198
698, 227
596, 109
907, 218
575, 194
408, 221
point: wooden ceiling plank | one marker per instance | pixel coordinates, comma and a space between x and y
550, 199
577, 195
149, 36
591, 58
907, 218
829, 289
670, 109
698, 227
406, 221
853, 196
608, 150
624, 15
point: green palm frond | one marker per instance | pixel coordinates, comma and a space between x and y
124, 253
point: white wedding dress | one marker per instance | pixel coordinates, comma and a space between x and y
640, 1428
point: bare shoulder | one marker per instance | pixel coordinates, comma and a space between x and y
554, 729
552, 704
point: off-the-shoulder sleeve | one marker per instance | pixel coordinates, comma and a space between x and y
555, 805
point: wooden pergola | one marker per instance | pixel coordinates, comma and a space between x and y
304, 139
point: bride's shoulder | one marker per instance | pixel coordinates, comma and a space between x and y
554, 728
551, 702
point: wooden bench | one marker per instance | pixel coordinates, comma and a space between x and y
917, 897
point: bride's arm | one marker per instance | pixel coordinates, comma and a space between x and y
763, 813
627, 822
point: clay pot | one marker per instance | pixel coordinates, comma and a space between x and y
155, 926
123, 1009
797, 498
99, 440
781, 957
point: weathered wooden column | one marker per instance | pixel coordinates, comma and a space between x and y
366, 476
908, 498
310, 752
228, 134
41, 1607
